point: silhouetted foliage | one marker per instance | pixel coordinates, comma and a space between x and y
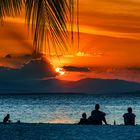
47, 18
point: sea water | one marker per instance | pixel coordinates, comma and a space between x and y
66, 108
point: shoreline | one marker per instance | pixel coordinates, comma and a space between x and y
137, 93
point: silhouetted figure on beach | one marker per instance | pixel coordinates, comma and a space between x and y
129, 118
97, 117
18, 121
7, 119
83, 120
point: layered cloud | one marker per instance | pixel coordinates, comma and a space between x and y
35, 69
76, 69
136, 69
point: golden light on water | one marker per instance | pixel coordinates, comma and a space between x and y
61, 120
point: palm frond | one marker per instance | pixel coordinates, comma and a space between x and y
47, 19
10, 7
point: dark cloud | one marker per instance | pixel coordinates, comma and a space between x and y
134, 69
76, 69
35, 69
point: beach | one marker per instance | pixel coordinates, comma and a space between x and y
54, 117
34, 131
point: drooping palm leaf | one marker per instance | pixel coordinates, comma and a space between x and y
48, 19
10, 7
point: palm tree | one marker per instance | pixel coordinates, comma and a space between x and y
47, 19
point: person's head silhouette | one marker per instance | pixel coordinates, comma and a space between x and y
97, 107
84, 115
129, 110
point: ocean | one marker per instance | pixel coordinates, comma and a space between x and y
66, 108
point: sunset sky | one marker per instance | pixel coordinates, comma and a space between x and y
109, 42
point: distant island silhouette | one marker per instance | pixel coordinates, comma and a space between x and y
84, 86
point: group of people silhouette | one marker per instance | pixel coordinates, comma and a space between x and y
98, 117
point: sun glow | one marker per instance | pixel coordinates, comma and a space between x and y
60, 71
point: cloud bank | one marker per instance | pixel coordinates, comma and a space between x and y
76, 69
35, 69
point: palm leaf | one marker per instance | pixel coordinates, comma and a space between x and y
47, 18
10, 7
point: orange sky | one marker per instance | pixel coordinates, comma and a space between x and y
109, 41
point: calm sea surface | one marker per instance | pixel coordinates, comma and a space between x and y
66, 108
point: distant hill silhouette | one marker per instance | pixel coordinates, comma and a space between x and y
91, 86
100, 86
105, 85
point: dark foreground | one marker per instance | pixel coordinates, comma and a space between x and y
67, 132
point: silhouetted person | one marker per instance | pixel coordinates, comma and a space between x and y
97, 117
83, 120
18, 121
7, 119
129, 118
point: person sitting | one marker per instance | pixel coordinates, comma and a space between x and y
7, 119
83, 120
18, 121
97, 117
129, 118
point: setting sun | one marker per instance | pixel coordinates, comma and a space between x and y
60, 71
